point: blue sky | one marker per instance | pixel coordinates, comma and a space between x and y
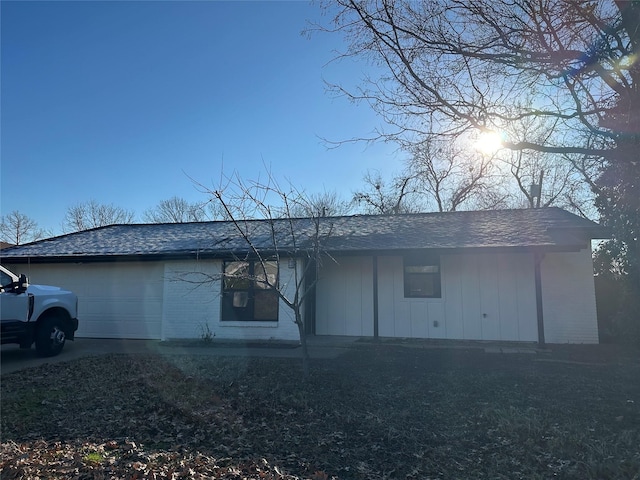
122, 101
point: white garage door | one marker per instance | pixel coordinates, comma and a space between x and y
116, 300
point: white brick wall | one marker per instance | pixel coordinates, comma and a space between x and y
193, 309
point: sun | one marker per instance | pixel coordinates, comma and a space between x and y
489, 141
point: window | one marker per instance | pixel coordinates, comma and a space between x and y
422, 277
5, 279
249, 292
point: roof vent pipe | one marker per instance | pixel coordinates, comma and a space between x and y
534, 190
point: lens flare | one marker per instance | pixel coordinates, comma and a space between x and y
489, 142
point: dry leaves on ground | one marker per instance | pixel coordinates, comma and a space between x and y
376, 412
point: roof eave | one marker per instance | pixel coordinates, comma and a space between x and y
228, 254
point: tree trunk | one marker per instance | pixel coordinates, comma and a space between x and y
303, 344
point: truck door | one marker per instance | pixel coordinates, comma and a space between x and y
14, 308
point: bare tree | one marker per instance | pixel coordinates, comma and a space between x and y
92, 214
279, 236
380, 197
437, 176
324, 204
456, 66
486, 65
449, 177
542, 179
176, 210
444, 176
17, 228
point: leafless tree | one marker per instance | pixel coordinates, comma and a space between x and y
17, 228
280, 236
92, 214
542, 179
324, 204
379, 197
444, 176
176, 210
454, 67
449, 177
437, 176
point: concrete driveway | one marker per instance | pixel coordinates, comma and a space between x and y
14, 359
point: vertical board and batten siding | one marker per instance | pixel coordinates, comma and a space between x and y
407, 318
489, 297
568, 296
192, 310
484, 297
115, 300
344, 297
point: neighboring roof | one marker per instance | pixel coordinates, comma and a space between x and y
544, 228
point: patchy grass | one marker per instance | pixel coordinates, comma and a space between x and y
376, 412
93, 457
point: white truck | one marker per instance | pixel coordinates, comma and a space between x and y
42, 314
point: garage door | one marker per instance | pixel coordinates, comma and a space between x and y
116, 300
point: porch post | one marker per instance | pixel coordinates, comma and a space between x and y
310, 301
375, 297
537, 260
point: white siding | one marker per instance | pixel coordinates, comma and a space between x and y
490, 297
193, 309
568, 295
452, 268
115, 300
344, 297
390, 284
484, 297
405, 317
147, 300
517, 300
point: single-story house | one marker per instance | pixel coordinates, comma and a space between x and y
507, 275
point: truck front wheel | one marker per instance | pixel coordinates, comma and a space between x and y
50, 337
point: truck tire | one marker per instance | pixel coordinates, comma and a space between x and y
50, 337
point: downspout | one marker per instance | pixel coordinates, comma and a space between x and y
537, 260
375, 297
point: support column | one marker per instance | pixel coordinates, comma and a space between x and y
375, 297
537, 260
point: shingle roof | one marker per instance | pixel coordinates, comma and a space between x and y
530, 228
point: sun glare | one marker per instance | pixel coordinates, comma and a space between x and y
489, 142
627, 61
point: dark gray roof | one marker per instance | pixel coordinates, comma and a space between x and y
545, 228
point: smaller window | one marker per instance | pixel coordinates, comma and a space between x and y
422, 277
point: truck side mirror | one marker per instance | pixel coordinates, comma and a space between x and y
23, 283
